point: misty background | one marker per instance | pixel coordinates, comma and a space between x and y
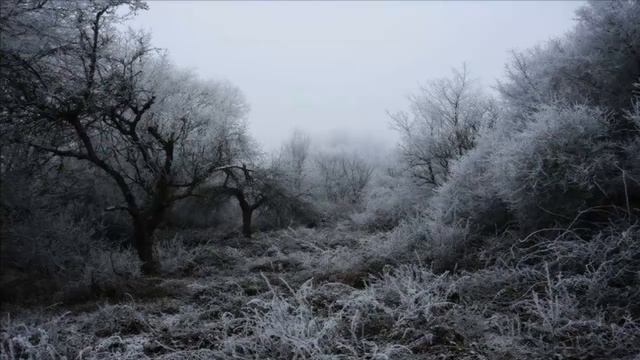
333, 69
319, 180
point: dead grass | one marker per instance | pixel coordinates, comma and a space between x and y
288, 295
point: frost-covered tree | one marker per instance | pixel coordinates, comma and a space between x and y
343, 177
567, 140
596, 63
105, 97
445, 119
294, 158
250, 188
565, 153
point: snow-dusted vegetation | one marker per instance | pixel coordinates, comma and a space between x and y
139, 219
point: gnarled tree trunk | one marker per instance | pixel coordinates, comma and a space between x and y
143, 242
145, 224
247, 213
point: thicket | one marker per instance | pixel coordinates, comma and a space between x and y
508, 230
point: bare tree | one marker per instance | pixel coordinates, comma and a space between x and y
343, 177
240, 183
251, 187
104, 97
445, 119
293, 158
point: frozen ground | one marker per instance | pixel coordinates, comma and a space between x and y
327, 294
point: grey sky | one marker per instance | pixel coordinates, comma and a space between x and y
328, 66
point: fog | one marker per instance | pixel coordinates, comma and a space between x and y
226, 183
328, 66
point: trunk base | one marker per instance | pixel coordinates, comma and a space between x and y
150, 268
246, 222
143, 241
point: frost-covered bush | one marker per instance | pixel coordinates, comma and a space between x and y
470, 197
55, 253
604, 267
463, 208
281, 328
567, 296
38, 336
547, 158
422, 239
413, 296
562, 162
176, 256
372, 323
117, 320
563, 165
549, 322
558, 327
389, 200
595, 63
20, 341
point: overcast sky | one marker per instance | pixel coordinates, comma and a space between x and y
328, 67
